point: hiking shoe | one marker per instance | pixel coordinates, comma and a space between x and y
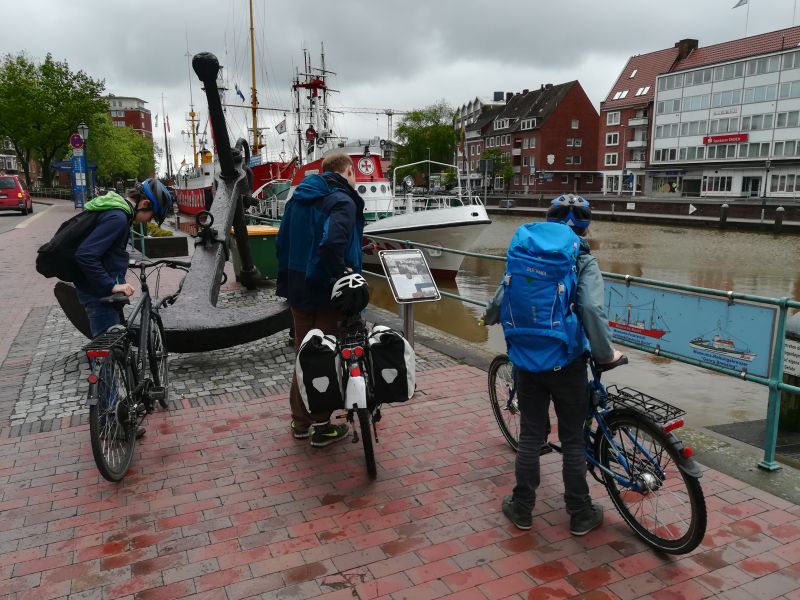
298, 433
583, 522
326, 434
516, 516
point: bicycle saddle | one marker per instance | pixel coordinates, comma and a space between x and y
602, 368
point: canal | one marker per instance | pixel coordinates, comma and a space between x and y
756, 263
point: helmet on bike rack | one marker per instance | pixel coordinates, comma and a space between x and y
350, 294
160, 196
571, 210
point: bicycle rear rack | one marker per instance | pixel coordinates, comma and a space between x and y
659, 411
100, 346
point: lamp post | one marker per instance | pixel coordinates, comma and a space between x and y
767, 164
83, 131
429, 171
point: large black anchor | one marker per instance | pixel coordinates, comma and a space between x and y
194, 323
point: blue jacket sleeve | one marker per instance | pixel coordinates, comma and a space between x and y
338, 233
591, 292
89, 255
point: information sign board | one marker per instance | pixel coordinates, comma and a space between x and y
791, 358
737, 335
409, 277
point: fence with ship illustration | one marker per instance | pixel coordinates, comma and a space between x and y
740, 335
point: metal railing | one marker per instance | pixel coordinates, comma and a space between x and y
139, 236
774, 382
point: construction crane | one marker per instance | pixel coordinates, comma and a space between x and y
365, 110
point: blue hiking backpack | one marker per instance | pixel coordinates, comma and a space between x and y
540, 285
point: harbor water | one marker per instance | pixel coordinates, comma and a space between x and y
748, 262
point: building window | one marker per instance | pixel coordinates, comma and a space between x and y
578, 142
564, 179
788, 119
726, 72
716, 184
791, 61
612, 118
633, 74
768, 64
643, 90
790, 89
691, 103
671, 82
728, 98
516, 179
532, 143
620, 95
568, 160
575, 123
524, 161
611, 159
727, 124
756, 122
527, 124
783, 183
498, 182
612, 139
590, 178
668, 106
693, 128
667, 131
500, 124
698, 77
525, 144
764, 93
570, 142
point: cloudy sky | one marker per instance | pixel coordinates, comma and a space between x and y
397, 54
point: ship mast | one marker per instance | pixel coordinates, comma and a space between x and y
192, 115
256, 147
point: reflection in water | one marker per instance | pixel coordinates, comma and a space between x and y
747, 262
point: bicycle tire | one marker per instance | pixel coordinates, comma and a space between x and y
364, 423
157, 357
501, 386
636, 437
112, 431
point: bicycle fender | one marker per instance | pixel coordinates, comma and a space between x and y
686, 465
91, 398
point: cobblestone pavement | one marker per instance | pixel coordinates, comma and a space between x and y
50, 370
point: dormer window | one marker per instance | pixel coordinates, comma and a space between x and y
620, 95
527, 124
500, 124
633, 74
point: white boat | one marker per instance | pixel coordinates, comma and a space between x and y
445, 221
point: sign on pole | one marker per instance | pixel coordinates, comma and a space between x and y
409, 277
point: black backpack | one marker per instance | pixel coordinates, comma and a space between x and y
56, 258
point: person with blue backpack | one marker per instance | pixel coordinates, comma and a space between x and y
550, 304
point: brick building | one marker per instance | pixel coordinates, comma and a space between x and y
131, 112
549, 135
625, 116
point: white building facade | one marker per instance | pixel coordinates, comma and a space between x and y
729, 129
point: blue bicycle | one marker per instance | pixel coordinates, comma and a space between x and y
631, 449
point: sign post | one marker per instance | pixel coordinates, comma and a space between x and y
411, 281
78, 170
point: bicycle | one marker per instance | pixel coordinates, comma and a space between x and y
630, 449
358, 394
125, 384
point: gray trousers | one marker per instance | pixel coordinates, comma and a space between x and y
569, 390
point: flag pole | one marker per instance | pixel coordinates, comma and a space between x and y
747, 19
794, 13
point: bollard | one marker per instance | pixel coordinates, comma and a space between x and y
612, 211
723, 215
778, 219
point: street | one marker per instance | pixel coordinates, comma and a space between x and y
9, 220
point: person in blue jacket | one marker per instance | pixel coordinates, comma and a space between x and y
319, 241
103, 256
568, 388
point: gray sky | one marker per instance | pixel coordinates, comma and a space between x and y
386, 53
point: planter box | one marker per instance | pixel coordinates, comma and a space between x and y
165, 247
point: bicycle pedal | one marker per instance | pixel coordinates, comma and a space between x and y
157, 392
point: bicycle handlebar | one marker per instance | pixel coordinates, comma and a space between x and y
170, 262
116, 298
603, 367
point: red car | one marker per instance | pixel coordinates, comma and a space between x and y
14, 195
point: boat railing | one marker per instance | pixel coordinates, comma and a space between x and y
412, 203
774, 382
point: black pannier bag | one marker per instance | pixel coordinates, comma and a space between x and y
319, 374
392, 362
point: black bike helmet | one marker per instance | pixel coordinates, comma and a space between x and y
350, 294
571, 210
159, 195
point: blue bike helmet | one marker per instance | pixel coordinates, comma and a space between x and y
571, 210
159, 195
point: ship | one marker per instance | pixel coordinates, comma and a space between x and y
722, 346
637, 326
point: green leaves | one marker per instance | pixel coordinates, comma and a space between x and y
429, 128
42, 104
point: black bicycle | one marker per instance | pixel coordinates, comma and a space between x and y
129, 374
631, 449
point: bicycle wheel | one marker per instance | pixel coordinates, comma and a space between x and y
365, 423
157, 355
661, 503
111, 426
503, 396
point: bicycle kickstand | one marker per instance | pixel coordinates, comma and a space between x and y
351, 421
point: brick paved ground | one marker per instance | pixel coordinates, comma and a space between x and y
223, 503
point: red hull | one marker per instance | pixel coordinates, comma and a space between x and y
191, 202
653, 333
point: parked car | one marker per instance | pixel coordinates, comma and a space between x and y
14, 195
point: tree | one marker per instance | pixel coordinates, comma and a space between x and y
120, 152
501, 166
42, 104
425, 130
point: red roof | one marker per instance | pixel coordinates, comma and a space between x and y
646, 67
774, 41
